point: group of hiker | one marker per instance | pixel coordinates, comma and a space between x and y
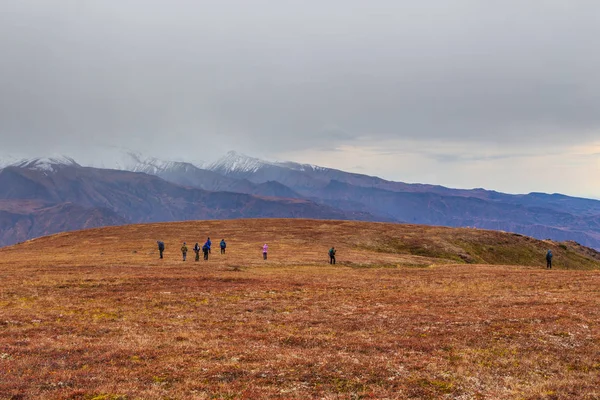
223, 245
206, 249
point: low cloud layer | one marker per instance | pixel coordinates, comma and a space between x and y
478, 81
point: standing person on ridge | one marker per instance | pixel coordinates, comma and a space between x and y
332, 255
161, 247
208, 243
184, 250
205, 251
549, 259
265, 248
223, 246
197, 251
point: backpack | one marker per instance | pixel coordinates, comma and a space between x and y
161, 246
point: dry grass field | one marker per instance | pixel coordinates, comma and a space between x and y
408, 312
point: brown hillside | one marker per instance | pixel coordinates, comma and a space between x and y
302, 242
94, 315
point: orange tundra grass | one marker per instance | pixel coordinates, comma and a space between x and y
408, 312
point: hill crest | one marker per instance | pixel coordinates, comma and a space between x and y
304, 242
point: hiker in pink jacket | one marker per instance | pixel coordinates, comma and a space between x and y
265, 248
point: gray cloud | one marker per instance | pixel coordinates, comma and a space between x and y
267, 77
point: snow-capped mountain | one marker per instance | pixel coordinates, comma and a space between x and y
188, 174
46, 164
301, 178
303, 167
155, 166
236, 163
127, 160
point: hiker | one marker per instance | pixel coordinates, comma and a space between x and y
265, 248
197, 251
205, 251
549, 259
208, 243
223, 246
184, 250
161, 247
332, 255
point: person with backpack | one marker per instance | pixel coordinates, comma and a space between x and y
208, 243
549, 259
265, 248
184, 250
197, 251
205, 251
223, 246
332, 255
161, 248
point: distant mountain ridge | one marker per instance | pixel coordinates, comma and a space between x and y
331, 193
38, 199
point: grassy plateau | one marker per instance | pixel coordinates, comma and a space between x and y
408, 312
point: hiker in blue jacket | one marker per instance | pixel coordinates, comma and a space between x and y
208, 244
161, 247
223, 246
549, 259
205, 251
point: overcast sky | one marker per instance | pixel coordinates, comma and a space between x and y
467, 93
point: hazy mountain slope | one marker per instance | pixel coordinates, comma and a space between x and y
275, 189
209, 180
61, 179
142, 197
23, 220
541, 215
435, 209
305, 178
129, 196
188, 174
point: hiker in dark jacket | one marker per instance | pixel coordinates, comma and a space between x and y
161, 247
184, 250
205, 251
549, 259
197, 251
223, 246
332, 255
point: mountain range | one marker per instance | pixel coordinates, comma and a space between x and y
47, 195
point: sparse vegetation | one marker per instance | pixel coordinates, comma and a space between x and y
84, 317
